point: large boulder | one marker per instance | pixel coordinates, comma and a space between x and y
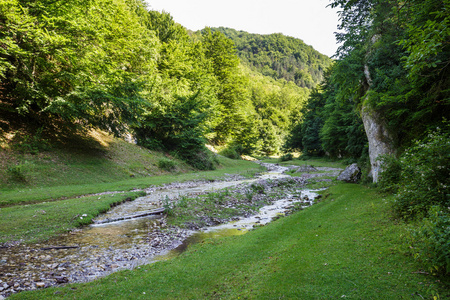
351, 174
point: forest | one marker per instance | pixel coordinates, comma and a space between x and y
114, 65
279, 56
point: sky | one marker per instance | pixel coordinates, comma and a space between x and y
309, 20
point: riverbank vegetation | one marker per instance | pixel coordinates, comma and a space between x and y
214, 208
385, 104
33, 223
344, 246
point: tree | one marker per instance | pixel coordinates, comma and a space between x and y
221, 54
76, 61
312, 123
178, 128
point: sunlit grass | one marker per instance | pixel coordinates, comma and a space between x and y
315, 162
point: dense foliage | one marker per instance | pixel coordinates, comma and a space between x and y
117, 66
329, 126
393, 59
85, 62
393, 62
279, 56
420, 179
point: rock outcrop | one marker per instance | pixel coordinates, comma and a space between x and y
351, 174
381, 142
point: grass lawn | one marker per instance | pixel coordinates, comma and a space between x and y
343, 247
27, 195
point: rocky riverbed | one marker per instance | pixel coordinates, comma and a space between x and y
105, 247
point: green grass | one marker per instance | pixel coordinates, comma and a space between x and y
80, 159
343, 247
38, 222
24, 195
315, 162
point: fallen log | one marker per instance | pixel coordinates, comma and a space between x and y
135, 216
60, 247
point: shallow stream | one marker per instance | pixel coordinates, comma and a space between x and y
109, 245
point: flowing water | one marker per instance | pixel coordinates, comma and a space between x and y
117, 240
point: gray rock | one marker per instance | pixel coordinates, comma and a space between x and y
381, 140
351, 174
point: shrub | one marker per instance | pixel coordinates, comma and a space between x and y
425, 179
432, 241
167, 164
390, 174
231, 152
287, 157
33, 144
168, 207
201, 159
17, 173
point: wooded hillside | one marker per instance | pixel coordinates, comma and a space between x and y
116, 66
279, 56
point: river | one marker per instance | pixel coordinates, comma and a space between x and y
108, 246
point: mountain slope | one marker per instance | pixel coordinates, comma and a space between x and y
279, 56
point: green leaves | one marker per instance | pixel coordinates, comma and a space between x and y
177, 127
279, 56
56, 57
427, 40
113, 65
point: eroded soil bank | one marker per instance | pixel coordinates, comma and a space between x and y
110, 245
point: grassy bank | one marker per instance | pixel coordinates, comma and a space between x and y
36, 214
315, 162
38, 222
343, 247
38, 166
25, 195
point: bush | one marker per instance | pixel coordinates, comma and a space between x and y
16, 173
390, 174
231, 152
287, 157
167, 164
33, 144
201, 159
431, 241
425, 179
